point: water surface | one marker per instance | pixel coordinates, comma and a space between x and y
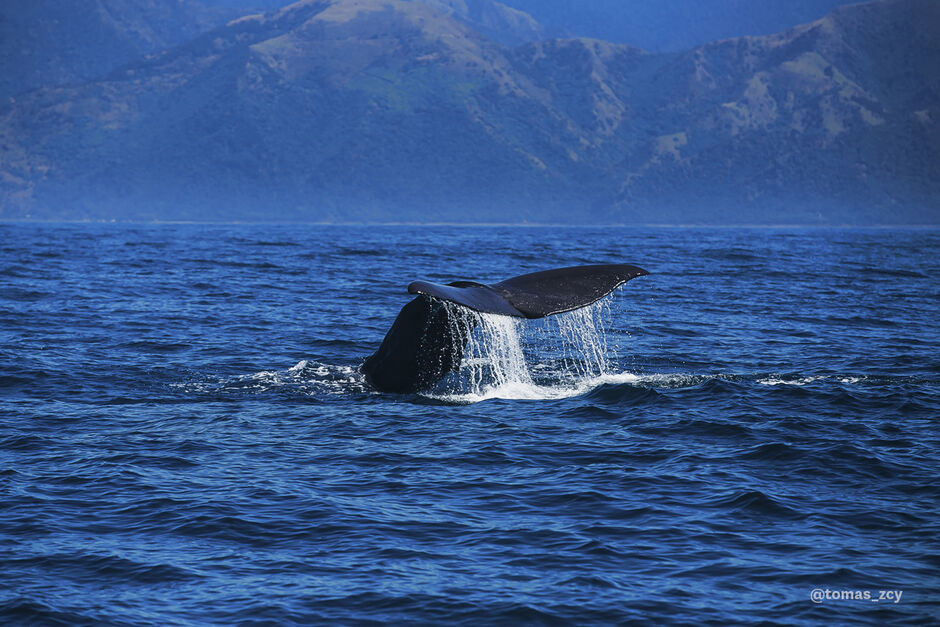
186, 439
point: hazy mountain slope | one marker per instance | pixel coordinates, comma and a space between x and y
366, 102
50, 42
656, 25
396, 110
55, 42
495, 20
835, 117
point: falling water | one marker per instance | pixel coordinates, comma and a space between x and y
583, 338
494, 355
510, 357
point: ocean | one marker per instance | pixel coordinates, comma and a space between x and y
748, 435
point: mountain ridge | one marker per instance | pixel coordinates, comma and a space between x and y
46, 42
364, 110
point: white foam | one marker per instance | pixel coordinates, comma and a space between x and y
852, 380
305, 377
797, 381
677, 379
801, 381
533, 391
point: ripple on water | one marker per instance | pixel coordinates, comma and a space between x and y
187, 439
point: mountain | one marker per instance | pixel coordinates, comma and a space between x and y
45, 42
655, 25
49, 42
308, 109
495, 20
836, 118
345, 110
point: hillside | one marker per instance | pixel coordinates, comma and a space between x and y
656, 25
45, 42
834, 119
49, 42
394, 110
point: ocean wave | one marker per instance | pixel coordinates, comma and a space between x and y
530, 391
305, 378
188, 442
627, 386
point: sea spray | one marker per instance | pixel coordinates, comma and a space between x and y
516, 358
583, 337
495, 355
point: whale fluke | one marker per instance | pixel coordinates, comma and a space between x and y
535, 295
427, 339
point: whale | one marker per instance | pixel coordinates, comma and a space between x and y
427, 339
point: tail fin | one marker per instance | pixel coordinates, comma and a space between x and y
427, 340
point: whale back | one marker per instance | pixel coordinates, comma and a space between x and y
424, 344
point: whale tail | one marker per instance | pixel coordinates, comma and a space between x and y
427, 340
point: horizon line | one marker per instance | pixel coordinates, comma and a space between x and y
678, 225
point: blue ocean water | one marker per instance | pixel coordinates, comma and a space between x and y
185, 439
